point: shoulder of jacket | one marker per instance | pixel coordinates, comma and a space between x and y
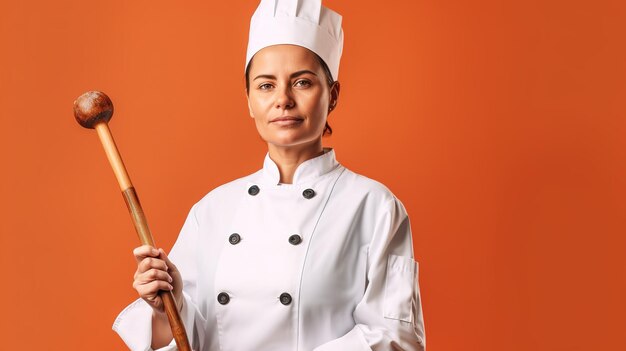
372, 192
369, 187
226, 190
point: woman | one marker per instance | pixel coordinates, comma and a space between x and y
303, 254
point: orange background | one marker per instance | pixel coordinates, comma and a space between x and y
500, 125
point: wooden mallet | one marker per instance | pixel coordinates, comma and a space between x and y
93, 110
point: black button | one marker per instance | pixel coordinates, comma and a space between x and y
234, 238
295, 239
253, 190
285, 299
308, 193
223, 298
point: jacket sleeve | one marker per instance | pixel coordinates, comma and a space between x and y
389, 316
134, 323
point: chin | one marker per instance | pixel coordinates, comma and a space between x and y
285, 138
290, 141
286, 143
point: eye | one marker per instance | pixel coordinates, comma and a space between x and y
305, 83
265, 86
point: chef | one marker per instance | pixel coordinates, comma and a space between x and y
303, 254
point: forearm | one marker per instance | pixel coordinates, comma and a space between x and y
161, 332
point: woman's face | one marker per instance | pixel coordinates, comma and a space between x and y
289, 97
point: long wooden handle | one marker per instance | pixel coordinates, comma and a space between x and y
141, 226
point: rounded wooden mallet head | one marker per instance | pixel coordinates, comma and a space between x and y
92, 108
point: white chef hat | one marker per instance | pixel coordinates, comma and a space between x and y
299, 22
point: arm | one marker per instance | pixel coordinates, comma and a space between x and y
389, 317
135, 323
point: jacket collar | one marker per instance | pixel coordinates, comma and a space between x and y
306, 171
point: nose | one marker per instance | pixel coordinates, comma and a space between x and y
284, 98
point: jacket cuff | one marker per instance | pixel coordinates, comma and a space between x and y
134, 325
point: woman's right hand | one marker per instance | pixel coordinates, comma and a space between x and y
156, 272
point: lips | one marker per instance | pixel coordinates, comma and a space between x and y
286, 119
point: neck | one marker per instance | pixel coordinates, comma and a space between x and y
289, 158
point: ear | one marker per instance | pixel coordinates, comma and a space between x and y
334, 96
249, 107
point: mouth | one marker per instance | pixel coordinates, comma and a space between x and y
287, 120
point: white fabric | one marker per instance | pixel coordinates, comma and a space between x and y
299, 22
352, 279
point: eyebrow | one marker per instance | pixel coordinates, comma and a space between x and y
295, 74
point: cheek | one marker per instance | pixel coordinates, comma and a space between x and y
261, 106
261, 125
319, 107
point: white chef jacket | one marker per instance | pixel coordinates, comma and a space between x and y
325, 264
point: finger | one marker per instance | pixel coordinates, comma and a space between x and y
153, 287
149, 262
153, 274
163, 256
151, 290
144, 251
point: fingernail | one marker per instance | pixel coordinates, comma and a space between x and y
169, 279
171, 287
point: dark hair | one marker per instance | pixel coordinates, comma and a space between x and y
329, 80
